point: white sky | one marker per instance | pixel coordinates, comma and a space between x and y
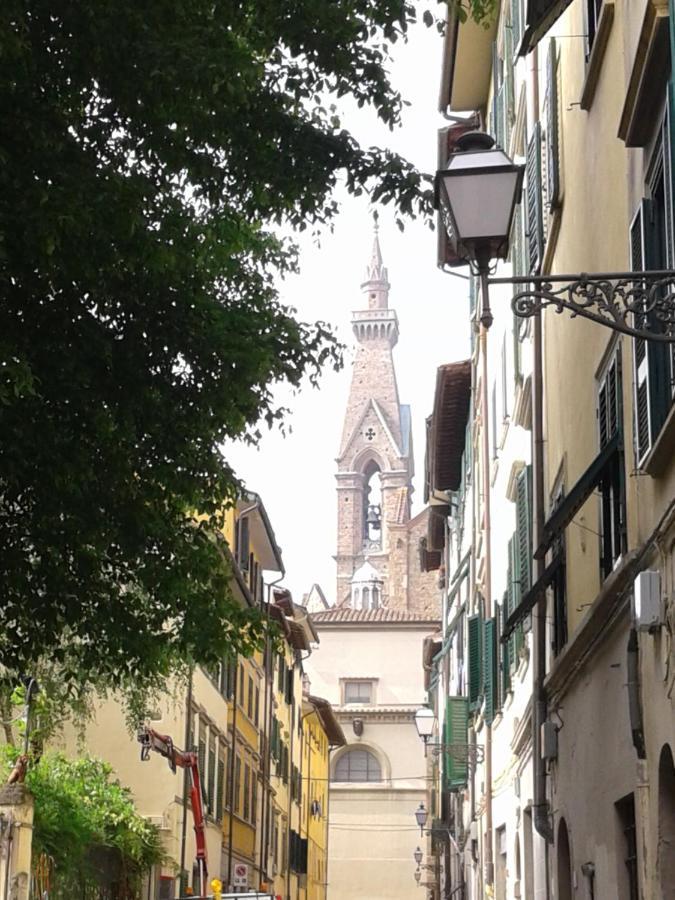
294, 474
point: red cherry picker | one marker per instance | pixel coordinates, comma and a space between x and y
150, 739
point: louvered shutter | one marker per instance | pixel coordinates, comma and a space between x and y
474, 625
509, 87
517, 23
535, 216
490, 668
552, 128
640, 362
524, 527
517, 264
455, 736
505, 659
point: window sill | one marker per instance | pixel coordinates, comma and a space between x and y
660, 456
595, 60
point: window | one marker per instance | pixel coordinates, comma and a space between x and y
357, 765
220, 786
211, 776
358, 691
534, 202
559, 584
651, 247
625, 809
247, 791
242, 543
237, 784
256, 712
612, 516
593, 8
241, 685
249, 708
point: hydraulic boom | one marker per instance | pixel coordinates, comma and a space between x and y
150, 739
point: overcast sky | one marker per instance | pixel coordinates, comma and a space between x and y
294, 474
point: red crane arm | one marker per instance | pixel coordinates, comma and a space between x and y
184, 759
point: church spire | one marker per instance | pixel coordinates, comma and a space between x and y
376, 284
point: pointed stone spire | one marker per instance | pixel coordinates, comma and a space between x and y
376, 284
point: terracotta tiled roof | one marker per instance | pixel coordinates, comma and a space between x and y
347, 614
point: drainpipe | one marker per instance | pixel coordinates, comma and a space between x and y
186, 777
541, 820
485, 465
232, 767
267, 730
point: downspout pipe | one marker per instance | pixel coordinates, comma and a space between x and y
541, 818
486, 320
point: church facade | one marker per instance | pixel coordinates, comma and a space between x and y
371, 637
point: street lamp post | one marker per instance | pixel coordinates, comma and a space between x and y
425, 722
477, 194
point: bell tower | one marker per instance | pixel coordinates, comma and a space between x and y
374, 464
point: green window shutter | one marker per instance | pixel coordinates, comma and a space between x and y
535, 213
220, 788
455, 735
505, 660
517, 23
490, 668
524, 529
474, 625
509, 95
552, 128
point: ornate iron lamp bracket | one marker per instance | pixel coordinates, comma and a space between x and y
639, 304
473, 754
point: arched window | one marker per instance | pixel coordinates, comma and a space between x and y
365, 603
375, 601
356, 598
665, 854
357, 765
564, 863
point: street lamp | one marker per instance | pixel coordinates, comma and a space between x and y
417, 856
418, 875
425, 722
477, 193
421, 815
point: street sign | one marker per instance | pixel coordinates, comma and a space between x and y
240, 875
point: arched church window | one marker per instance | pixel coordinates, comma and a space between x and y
356, 598
372, 505
357, 765
365, 603
375, 599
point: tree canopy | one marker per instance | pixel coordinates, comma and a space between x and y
149, 153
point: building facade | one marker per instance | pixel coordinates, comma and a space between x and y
581, 94
372, 636
244, 718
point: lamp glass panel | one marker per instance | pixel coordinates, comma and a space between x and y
481, 203
424, 722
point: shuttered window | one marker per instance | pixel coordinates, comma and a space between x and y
490, 682
552, 128
535, 215
456, 737
612, 500
651, 247
475, 627
524, 529
505, 657
242, 539
517, 23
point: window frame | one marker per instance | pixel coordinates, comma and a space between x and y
350, 753
351, 682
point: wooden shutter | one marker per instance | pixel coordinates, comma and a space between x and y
524, 529
552, 128
517, 23
475, 676
640, 362
535, 216
490, 668
243, 543
505, 660
509, 87
455, 735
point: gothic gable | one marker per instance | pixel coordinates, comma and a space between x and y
370, 438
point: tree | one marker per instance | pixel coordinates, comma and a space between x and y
149, 153
86, 828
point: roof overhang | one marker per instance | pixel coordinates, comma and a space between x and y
262, 533
326, 715
452, 401
539, 17
467, 64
